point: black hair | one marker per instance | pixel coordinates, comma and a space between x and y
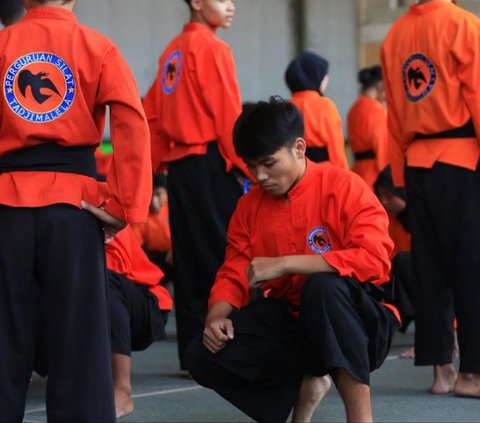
264, 127
368, 77
11, 11
189, 2
306, 72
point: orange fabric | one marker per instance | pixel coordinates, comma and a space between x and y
329, 212
367, 130
195, 98
400, 237
88, 73
155, 232
126, 257
449, 69
323, 125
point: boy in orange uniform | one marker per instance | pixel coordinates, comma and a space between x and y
57, 79
139, 307
367, 126
430, 63
307, 79
314, 239
192, 107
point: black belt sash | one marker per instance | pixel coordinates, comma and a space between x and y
317, 154
51, 157
369, 154
465, 131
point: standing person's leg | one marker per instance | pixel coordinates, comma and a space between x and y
70, 268
434, 336
202, 198
18, 309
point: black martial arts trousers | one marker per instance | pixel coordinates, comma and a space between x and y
53, 288
201, 200
261, 369
445, 208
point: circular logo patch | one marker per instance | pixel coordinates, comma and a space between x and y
419, 77
171, 72
39, 87
318, 241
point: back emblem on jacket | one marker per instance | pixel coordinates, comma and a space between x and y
172, 69
318, 240
419, 77
39, 87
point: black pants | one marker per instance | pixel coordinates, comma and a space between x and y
445, 206
202, 198
53, 288
261, 369
136, 320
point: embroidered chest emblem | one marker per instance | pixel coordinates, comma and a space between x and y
419, 77
39, 87
319, 241
172, 69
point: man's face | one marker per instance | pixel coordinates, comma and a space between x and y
216, 13
279, 172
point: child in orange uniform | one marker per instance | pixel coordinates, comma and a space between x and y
139, 307
367, 127
430, 63
192, 107
307, 79
57, 79
315, 240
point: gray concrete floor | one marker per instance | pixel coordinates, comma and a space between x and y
163, 394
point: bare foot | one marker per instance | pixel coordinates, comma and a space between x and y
468, 385
444, 379
123, 403
410, 353
312, 391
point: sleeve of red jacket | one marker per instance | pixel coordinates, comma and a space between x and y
158, 145
334, 132
220, 90
130, 175
395, 143
362, 230
231, 283
465, 48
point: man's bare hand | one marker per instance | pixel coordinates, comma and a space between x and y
111, 225
217, 333
262, 269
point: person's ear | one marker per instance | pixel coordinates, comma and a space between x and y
196, 5
300, 148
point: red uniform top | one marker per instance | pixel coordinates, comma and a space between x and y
155, 232
323, 125
367, 131
330, 212
126, 257
57, 79
430, 65
195, 98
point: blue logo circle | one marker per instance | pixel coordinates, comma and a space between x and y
318, 240
419, 77
172, 69
39, 87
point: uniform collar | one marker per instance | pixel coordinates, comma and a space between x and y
42, 12
304, 181
197, 26
421, 9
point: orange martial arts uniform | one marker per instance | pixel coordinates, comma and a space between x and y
430, 65
58, 77
323, 125
191, 108
368, 136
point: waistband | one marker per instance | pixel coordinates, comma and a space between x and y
465, 131
369, 154
317, 154
51, 157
